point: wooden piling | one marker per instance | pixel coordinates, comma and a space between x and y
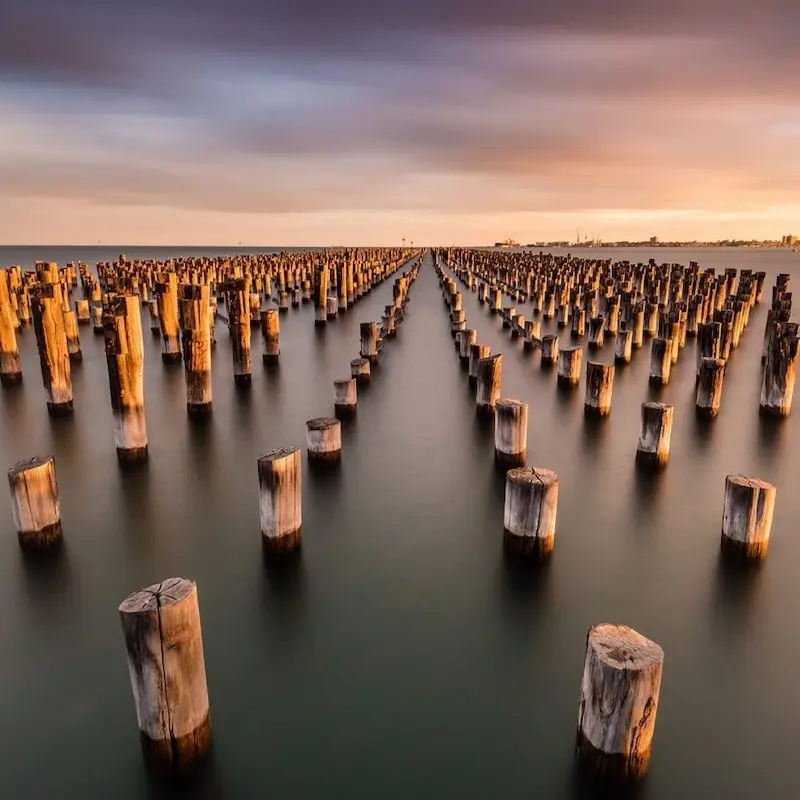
510, 432
82, 312
467, 338
167, 301
779, 373
529, 515
10, 365
324, 440
747, 517
124, 347
240, 308
280, 501
196, 338
51, 339
476, 353
549, 350
345, 396
708, 395
660, 361
599, 388
490, 378
164, 644
654, 440
360, 370
271, 335
369, 341
570, 363
73, 337
618, 702
624, 347
35, 504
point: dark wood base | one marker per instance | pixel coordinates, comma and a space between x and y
59, 409
704, 412
281, 545
331, 457
735, 550
509, 460
656, 380
76, 358
49, 538
198, 409
172, 358
647, 460
610, 766
344, 411
176, 755
134, 455
270, 359
528, 546
10, 378
596, 411
567, 382
243, 381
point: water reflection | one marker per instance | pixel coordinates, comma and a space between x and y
48, 581
771, 436
735, 600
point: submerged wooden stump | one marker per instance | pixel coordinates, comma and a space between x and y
34, 502
529, 515
660, 362
570, 361
477, 352
599, 389
164, 643
280, 501
324, 440
654, 440
51, 338
345, 396
360, 370
490, 378
618, 702
708, 397
271, 334
747, 518
510, 432
10, 366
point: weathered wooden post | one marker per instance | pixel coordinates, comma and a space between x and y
779, 374
10, 366
618, 702
73, 336
196, 347
624, 347
164, 642
709, 387
82, 312
490, 379
34, 503
97, 318
324, 440
240, 307
596, 333
476, 353
167, 301
533, 333
280, 502
654, 440
360, 370
271, 335
599, 388
510, 432
570, 362
48, 323
321, 296
549, 350
660, 361
369, 341
125, 359
529, 514
467, 338
578, 323
345, 396
747, 518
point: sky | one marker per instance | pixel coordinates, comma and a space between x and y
306, 122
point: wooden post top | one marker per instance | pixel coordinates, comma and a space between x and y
165, 593
622, 648
29, 463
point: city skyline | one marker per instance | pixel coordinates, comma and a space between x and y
186, 123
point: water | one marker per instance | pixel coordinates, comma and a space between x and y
403, 656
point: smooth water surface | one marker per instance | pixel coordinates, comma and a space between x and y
403, 656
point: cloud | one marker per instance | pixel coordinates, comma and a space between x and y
442, 107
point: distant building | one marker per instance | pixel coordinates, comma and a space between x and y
789, 240
654, 241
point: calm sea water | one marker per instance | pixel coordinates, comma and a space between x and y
403, 656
